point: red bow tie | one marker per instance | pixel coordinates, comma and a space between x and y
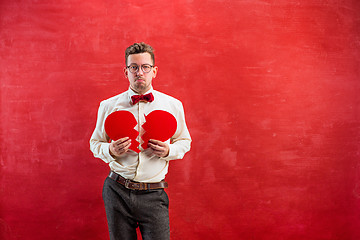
147, 98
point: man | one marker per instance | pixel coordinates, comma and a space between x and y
134, 193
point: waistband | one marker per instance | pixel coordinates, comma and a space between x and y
137, 185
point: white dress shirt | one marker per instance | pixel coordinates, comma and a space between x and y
143, 166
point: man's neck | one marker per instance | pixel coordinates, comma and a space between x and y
141, 92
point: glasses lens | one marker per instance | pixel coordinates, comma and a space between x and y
146, 68
133, 68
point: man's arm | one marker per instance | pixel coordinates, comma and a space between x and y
99, 141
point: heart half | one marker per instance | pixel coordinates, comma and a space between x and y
160, 125
121, 124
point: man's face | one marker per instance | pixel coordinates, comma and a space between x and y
140, 81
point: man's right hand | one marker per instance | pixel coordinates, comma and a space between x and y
120, 146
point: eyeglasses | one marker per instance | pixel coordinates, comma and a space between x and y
146, 68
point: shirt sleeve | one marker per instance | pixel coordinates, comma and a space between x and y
99, 141
181, 141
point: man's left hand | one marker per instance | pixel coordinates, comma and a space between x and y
160, 149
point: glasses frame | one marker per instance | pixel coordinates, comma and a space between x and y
138, 67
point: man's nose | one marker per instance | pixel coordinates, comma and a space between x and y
139, 71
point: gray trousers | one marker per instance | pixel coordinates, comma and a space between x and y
128, 209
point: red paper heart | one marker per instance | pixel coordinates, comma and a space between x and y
121, 124
160, 125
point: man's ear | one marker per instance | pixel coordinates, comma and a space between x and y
126, 72
155, 70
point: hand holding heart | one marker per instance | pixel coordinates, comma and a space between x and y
160, 149
119, 147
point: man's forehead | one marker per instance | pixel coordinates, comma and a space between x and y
144, 55
140, 57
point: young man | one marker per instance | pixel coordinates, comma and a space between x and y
134, 193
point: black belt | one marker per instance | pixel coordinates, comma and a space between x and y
137, 185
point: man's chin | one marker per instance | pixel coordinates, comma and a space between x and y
141, 88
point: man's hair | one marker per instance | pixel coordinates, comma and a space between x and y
139, 48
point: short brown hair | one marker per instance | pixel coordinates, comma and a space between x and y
139, 48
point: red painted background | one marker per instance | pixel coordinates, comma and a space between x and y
271, 91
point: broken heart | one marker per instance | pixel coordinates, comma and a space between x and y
160, 125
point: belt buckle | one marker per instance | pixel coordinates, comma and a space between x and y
127, 183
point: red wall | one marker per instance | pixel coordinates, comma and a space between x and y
271, 91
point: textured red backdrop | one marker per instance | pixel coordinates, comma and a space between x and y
271, 91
